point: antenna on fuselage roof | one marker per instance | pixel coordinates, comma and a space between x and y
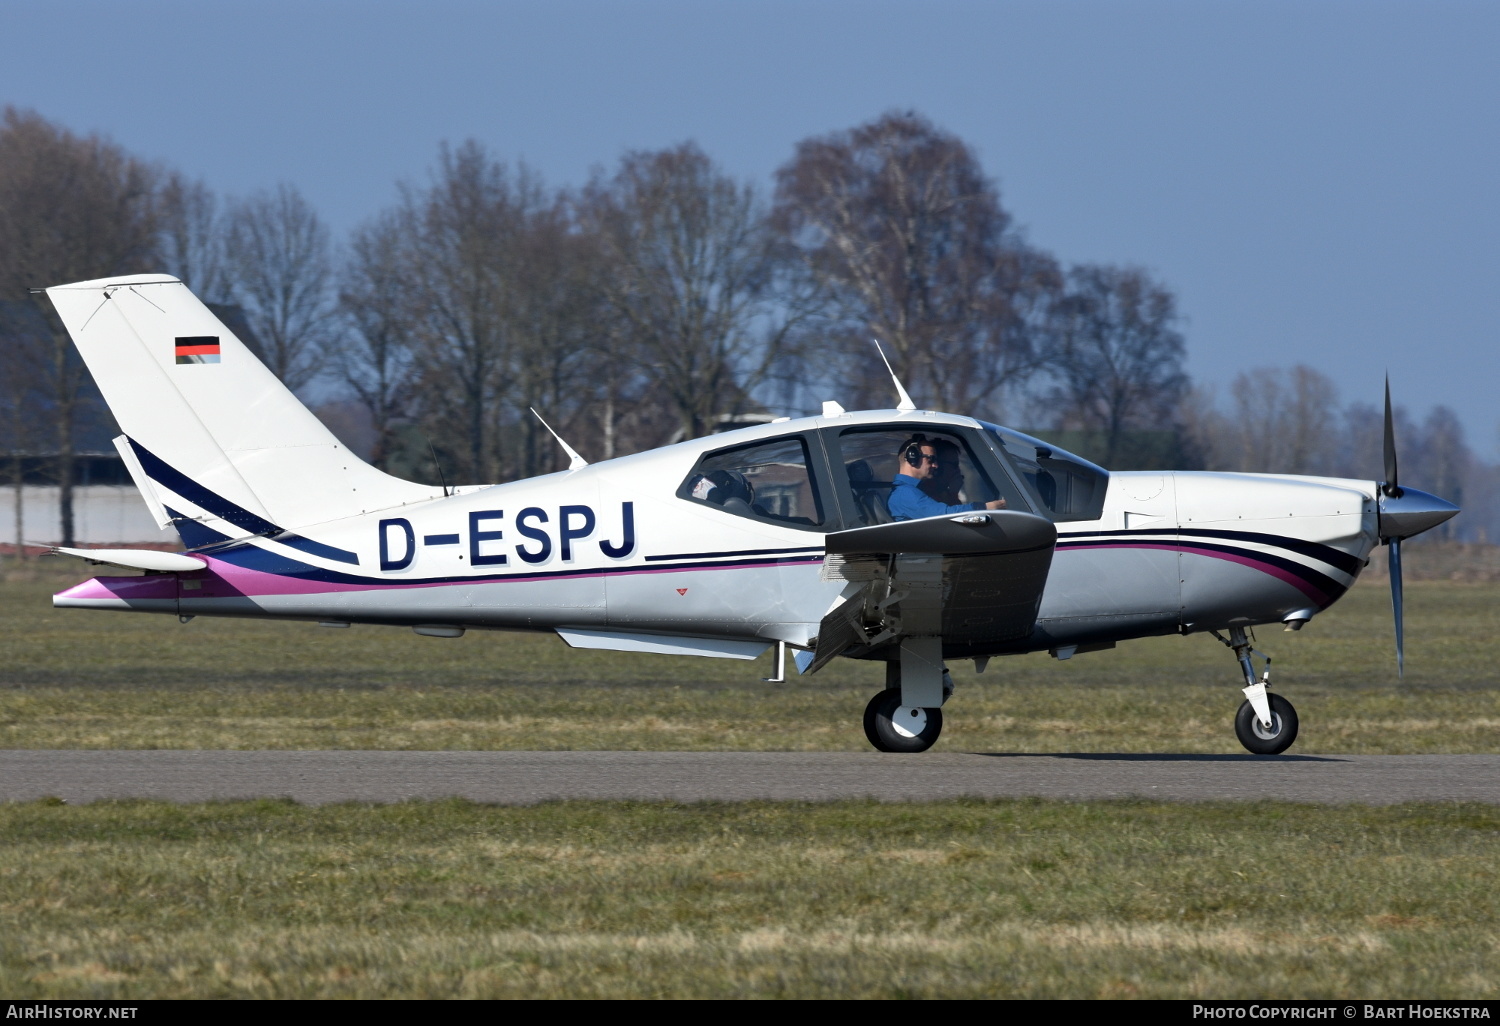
577, 462
442, 480
905, 403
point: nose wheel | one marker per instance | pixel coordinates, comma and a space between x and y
893, 727
1261, 739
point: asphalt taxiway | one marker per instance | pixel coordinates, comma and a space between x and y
519, 778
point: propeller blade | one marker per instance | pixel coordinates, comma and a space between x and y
1394, 555
1392, 485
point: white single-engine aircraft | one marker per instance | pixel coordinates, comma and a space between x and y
779, 534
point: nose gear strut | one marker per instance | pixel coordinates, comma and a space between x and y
1255, 690
1266, 724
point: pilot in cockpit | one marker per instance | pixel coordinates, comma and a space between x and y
725, 488
920, 460
946, 483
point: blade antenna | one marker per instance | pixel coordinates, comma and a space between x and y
577, 462
442, 480
905, 403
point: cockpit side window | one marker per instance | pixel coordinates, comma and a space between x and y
767, 481
1070, 488
872, 459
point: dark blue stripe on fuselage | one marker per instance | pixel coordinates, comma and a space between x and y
163, 473
1327, 585
1351, 565
1323, 553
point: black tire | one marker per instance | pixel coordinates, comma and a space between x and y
1256, 738
892, 728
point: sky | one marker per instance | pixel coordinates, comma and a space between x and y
1318, 182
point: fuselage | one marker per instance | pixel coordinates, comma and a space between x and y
626, 545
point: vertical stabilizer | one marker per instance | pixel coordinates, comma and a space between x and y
209, 426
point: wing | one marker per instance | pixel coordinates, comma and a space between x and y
972, 579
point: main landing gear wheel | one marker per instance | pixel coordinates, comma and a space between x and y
893, 727
1256, 738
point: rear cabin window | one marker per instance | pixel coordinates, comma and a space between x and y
767, 481
1069, 487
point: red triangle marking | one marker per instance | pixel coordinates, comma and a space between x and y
682, 591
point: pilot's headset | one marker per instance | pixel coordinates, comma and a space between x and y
911, 449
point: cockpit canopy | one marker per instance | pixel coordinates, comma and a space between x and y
839, 477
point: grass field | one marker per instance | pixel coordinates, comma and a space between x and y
80, 679
950, 899
954, 899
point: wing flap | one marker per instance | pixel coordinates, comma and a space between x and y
662, 644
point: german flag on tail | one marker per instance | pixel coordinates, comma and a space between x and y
198, 349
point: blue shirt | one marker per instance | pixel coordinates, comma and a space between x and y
908, 502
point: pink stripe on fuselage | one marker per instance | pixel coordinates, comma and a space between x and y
1312, 592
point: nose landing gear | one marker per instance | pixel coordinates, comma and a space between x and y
1266, 724
1263, 740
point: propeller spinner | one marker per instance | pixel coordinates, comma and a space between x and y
1403, 512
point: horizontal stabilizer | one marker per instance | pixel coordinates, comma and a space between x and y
662, 644
136, 559
965, 533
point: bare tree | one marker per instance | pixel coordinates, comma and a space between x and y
463, 235
1443, 464
1286, 421
554, 315
1117, 356
688, 267
375, 358
192, 237
280, 272
474, 299
71, 209
1206, 432
1361, 435
898, 221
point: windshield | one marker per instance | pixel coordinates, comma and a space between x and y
1069, 487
